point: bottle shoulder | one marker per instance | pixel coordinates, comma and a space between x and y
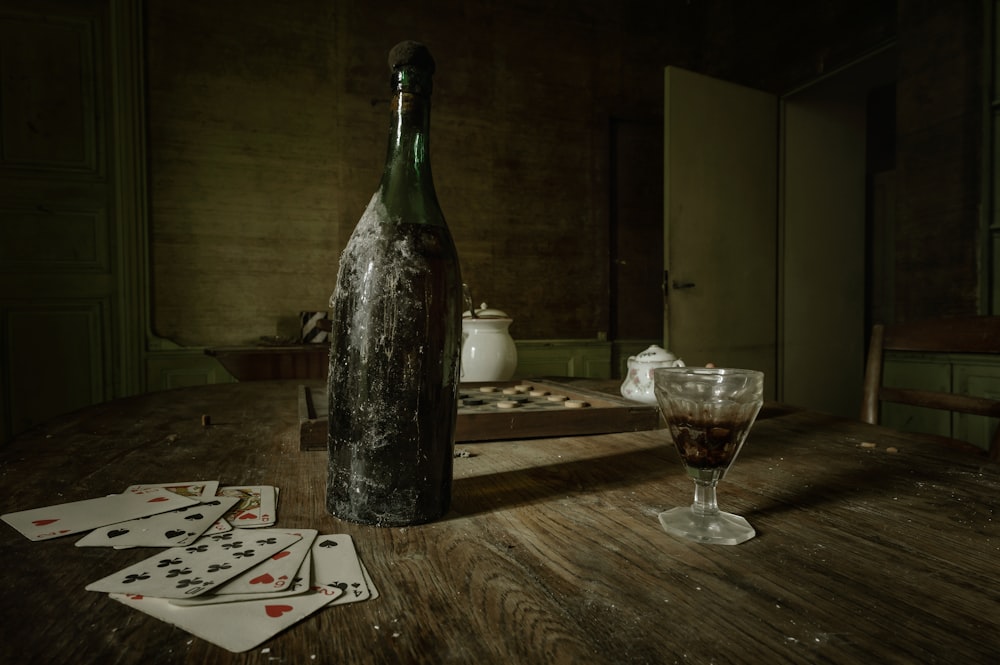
387, 221
408, 244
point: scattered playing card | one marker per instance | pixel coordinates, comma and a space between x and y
300, 584
242, 626
192, 570
277, 572
74, 517
337, 556
371, 585
195, 489
178, 527
256, 508
220, 526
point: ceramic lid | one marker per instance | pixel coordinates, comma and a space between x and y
485, 312
655, 354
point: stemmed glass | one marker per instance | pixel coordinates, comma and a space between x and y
709, 412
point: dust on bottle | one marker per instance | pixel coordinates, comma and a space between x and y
393, 383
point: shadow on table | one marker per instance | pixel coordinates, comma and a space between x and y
508, 489
826, 468
526, 486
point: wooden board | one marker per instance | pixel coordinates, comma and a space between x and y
535, 415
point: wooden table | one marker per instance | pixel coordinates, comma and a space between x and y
552, 553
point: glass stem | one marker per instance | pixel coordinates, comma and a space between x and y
704, 498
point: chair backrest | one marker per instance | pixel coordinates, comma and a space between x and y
979, 334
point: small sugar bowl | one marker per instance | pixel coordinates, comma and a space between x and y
638, 384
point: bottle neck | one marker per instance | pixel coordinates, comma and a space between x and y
407, 186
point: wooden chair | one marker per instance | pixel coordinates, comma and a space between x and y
980, 334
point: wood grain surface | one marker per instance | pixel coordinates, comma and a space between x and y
552, 552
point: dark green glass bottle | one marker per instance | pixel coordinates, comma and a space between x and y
396, 331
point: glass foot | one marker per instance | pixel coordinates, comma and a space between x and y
716, 529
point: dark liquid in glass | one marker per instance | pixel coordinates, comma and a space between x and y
707, 445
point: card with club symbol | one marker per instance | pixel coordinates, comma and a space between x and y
178, 527
191, 570
276, 573
299, 584
241, 626
76, 516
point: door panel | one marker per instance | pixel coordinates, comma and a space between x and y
720, 208
69, 373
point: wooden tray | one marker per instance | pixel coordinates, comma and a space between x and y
535, 417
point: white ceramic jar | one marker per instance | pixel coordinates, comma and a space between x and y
488, 351
638, 384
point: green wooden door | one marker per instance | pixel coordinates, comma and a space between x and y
71, 256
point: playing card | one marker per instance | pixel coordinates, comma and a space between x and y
194, 489
220, 526
256, 507
243, 626
336, 556
178, 527
277, 572
371, 585
299, 584
74, 517
194, 569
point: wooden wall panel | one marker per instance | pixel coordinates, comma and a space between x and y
969, 374
53, 240
48, 107
182, 368
980, 377
54, 354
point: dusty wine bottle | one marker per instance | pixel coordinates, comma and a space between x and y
396, 331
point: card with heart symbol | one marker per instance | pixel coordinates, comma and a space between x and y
299, 584
195, 489
257, 505
76, 516
278, 572
259, 581
241, 626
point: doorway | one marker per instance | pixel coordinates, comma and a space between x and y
777, 190
829, 144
